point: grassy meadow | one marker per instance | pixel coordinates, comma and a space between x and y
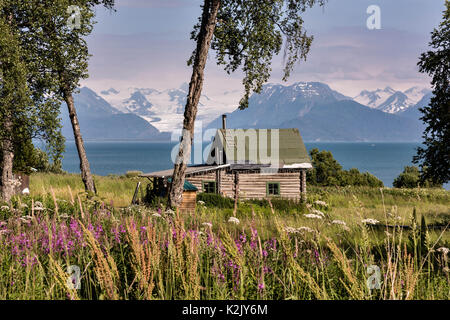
113, 189
324, 249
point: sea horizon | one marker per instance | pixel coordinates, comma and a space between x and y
385, 160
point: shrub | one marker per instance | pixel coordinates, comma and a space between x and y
328, 172
215, 200
411, 177
28, 157
133, 174
279, 204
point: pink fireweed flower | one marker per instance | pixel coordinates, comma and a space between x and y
116, 234
243, 238
238, 246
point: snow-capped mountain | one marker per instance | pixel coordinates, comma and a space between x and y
417, 93
373, 99
390, 100
165, 109
101, 121
138, 104
321, 114
279, 104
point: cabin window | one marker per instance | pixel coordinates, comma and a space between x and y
273, 188
209, 186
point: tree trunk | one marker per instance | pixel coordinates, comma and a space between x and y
86, 174
210, 10
7, 183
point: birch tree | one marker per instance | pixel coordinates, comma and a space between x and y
60, 38
244, 34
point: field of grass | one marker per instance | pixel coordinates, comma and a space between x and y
117, 190
319, 250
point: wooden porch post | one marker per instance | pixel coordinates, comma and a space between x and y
236, 185
218, 181
303, 185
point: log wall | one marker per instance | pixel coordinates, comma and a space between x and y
189, 201
252, 185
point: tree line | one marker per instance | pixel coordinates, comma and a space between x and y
42, 60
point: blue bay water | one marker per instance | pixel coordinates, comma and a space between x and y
384, 160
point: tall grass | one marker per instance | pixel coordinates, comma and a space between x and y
114, 189
143, 253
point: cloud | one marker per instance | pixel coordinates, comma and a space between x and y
347, 58
379, 58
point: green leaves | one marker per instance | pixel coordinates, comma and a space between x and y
249, 33
435, 156
40, 57
328, 172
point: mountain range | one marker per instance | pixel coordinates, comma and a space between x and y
165, 109
320, 113
100, 121
391, 101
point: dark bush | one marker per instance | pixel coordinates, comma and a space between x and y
280, 205
215, 200
328, 172
411, 178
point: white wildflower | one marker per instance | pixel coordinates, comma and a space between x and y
290, 230
3, 231
26, 191
341, 223
4, 208
38, 206
207, 224
2, 223
305, 229
308, 205
370, 221
443, 250
64, 216
321, 203
234, 220
201, 202
24, 205
24, 220
313, 216
157, 215
318, 212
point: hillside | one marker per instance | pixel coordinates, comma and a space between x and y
320, 114
100, 121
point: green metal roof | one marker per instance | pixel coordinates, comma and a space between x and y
187, 185
291, 149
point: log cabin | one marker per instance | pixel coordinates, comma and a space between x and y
249, 164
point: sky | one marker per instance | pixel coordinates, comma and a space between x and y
146, 43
